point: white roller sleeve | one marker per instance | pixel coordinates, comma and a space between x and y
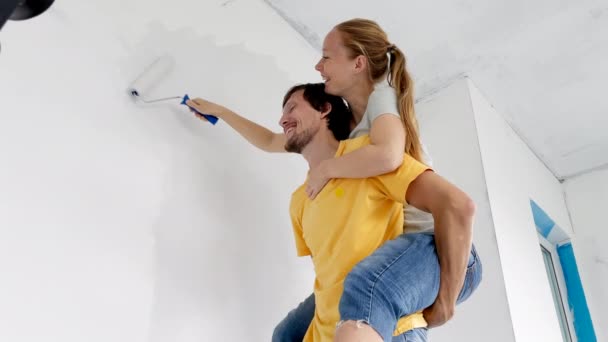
153, 74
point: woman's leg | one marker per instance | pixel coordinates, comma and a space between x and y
294, 326
398, 279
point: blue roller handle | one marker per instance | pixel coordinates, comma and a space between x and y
213, 119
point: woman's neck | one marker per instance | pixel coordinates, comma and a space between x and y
357, 98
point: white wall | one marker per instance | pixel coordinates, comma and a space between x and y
514, 176
475, 148
587, 198
448, 129
127, 223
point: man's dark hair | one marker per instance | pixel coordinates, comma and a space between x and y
340, 116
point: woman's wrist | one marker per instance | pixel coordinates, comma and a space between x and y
222, 112
326, 168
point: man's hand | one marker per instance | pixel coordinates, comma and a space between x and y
438, 313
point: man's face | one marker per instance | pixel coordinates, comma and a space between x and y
300, 122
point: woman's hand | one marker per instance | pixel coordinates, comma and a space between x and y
317, 179
205, 107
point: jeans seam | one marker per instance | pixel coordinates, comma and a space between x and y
378, 278
471, 273
474, 253
469, 281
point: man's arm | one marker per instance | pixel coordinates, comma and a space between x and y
453, 213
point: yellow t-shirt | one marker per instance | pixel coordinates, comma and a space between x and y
347, 221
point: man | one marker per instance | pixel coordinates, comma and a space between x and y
351, 218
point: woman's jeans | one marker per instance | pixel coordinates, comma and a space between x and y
399, 278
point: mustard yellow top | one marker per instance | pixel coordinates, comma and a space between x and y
347, 221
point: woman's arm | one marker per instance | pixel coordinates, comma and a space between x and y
257, 135
384, 154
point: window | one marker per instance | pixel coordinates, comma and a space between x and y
563, 278
558, 289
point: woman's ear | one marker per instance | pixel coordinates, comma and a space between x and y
360, 63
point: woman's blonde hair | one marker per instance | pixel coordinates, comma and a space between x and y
365, 37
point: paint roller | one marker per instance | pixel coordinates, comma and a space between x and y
153, 75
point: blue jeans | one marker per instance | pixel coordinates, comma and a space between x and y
399, 278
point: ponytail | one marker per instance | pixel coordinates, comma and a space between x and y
401, 80
365, 37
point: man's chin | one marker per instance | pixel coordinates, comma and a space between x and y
293, 150
293, 146
298, 142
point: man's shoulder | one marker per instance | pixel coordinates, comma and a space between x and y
299, 192
298, 196
352, 144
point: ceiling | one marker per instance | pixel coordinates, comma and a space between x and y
542, 64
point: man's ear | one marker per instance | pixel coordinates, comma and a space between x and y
325, 110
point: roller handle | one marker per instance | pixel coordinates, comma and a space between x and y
211, 118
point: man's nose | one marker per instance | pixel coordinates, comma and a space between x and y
283, 120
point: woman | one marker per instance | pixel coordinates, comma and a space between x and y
363, 67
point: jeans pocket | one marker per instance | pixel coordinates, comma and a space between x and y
472, 277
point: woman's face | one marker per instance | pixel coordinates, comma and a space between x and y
336, 67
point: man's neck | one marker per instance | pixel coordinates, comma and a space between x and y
322, 147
